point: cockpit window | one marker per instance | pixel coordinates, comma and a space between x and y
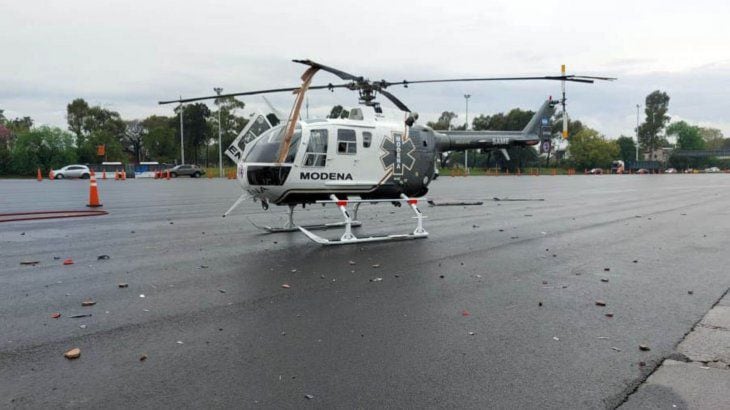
346, 141
316, 149
266, 147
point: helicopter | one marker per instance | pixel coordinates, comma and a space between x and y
366, 158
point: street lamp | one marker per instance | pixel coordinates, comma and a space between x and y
182, 142
466, 152
218, 91
637, 135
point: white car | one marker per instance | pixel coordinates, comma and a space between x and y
72, 171
712, 170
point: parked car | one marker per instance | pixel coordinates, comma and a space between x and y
670, 171
193, 171
596, 171
72, 171
712, 170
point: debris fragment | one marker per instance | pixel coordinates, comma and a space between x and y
606, 269
293, 271
544, 282
644, 348
82, 326
556, 338
690, 292
539, 303
636, 261
80, 316
600, 303
351, 262
376, 265
642, 364
616, 349
203, 267
222, 290
74, 353
604, 280
179, 342
285, 286
376, 279
441, 276
88, 302
68, 261
609, 314
30, 263
55, 315
308, 396
465, 313
103, 257
472, 333
123, 285
143, 358
142, 295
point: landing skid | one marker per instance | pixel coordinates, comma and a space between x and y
349, 238
292, 227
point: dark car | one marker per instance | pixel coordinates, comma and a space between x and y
193, 171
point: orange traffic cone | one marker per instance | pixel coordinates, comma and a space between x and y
93, 193
39, 176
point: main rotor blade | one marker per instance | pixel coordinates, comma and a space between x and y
398, 103
457, 80
273, 90
343, 75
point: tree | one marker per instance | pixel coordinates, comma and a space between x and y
589, 149
43, 147
657, 104
713, 138
195, 126
232, 124
160, 139
133, 138
76, 112
94, 126
626, 149
688, 136
444, 121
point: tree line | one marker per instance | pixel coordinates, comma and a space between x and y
25, 147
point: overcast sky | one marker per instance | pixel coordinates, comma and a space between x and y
127, 55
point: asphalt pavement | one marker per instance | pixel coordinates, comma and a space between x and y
497, 308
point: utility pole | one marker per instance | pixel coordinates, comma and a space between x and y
466, 152
218, 91
637, 134
182, 143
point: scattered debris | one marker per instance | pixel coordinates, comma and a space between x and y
55, 315
68, 261
600, 303
74, 353
544, 282
642, 364
556, 338
539, 303
376, 265
179, 342
616, 349
80, 316
376, 279
285, 286
123, 285
501, 230
88, 302
472, 333
636, 261
690, 292
351, 262
203, 267
606, 269
308, 396
293, 271
103, 257
441, 276
82, 326
30, 263
143, 358
465, 313
55, 258
322, 277
609, 314
644, 348
222, 290
604, 280
514, 237
142, 295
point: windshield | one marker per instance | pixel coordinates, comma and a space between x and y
266, 147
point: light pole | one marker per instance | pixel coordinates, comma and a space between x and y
637, 135
182, 143
466, 152
218, 91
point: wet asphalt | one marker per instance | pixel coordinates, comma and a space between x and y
497, 308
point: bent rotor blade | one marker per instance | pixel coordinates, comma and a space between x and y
398, 103
270, 91
343, 75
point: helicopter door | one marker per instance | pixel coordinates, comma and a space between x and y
257, 125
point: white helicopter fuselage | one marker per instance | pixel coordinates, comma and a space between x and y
349, 157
